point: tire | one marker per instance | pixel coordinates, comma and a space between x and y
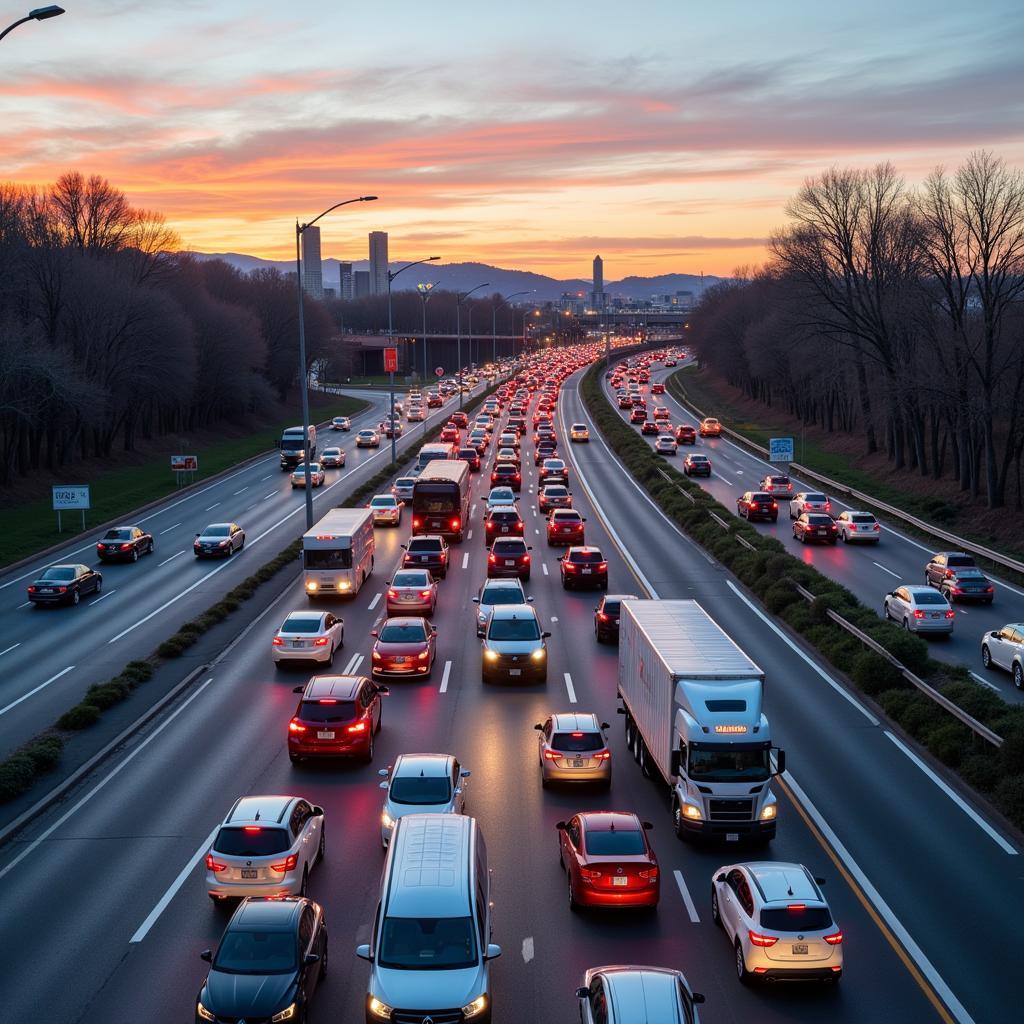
628, 725
716, 916
294, 758
645, 760
741, 967
368, 756
1018, 675
99, 585
75, 597
573, 905
330, 658
322, 847
135, 554
906, 624
149, 550
677, 819
636, 746
986, 657
242, 545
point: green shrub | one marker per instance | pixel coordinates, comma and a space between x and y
106, 695
17, 773
980, 769
173, 647
948, 740
780, 596
45, 752
81, 716
139, 671
873, 674
1009, 796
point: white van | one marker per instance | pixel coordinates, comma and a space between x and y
292, 447
430, 947
337, 553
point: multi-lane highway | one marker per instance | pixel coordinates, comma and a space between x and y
869, 570
924, 887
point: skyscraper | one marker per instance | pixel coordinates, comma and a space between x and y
378, 263
597, 295
345, 290
312, 271
361, 284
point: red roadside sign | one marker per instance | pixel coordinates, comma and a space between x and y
438, 371
391, 360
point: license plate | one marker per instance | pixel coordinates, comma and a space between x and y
935, 615
399, 661
822, 530
425, 558
732, 837
325, 735
515, 671
577, 762
566, 529
46, 590
620, 880
250, 873
510, 561
296, 643
800, 949
504, 529
587, 572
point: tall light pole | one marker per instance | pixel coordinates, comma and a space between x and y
39, 14
460, 298
392, 274
303, 370
425, 291
494, 322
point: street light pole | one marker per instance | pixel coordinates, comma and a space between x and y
461, 297
425, 290
303, 370
494, 324
39, 14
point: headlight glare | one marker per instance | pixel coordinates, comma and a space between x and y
286, 1014
477, 1006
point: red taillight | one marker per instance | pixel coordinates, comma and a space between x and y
951, 614
603, 616
321, 641
62, 590
948, 573
357, 727
764, 941
835, 939
989, 590
918, 614
828, 506
126, 547
576, 735
775, 504
651, 874
455, 523
424, 593
877, 526
31, 590
491, 558
551, 755
277, 641
288, 864
99, 547
834, 528
416, 522
797, 906
526, 558
602, 566
603, 755
587, 873
570, 566
214, 865
295, 726
251, 828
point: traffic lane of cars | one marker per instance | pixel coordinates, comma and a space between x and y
852, 770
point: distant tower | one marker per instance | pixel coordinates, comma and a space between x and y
345, 275
312, 271
598, 293
378, 263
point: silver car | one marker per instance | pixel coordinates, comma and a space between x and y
571, 747
514, 648
920, 610
1004, 648
219, 539
402, 488
332, 457
421, 784
308, 636
809, 501
265, 847
858, 526
341, 423
637, 995
494, 593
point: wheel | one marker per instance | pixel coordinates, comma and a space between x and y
368, 756
75, 598
629, 733
242, 545
135, 554
677, 820
99, 585
741, 967
305, 882
294, 758
716, 917
1018, 675
636, 746
149, 550
986, 657
330, 658
321, 848
885, 611
645, 759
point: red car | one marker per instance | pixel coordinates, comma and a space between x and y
583, 567
686, 435
406, 646
337, 716
434, 401
460, 419
608, 860
553, 496
657, 389
650, 427
450, 433
502, 522
661, 413
505, 474
565, 526
625, 402
757, 505
638, 415
815, 526
472, 456
509, 556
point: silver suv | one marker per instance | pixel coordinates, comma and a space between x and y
265, 847
494, 593
571, 747
514, 648
421, 784
637, 995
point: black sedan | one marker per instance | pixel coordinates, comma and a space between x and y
65, 584
813, 527
125, 544
606, 616
270, 958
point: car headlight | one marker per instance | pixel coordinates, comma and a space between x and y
286, 1014
386, 820
477, 1006
379, 1009
769, 812
204, 1012
490, 655
692, 811
538, 655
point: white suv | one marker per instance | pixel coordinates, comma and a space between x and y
421, 784
778, 922
265, 847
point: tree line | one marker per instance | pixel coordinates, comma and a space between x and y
894, 313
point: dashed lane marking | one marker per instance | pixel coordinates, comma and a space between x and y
687, 898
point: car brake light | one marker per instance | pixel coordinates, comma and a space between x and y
491, 558
62, 590
877, 526
295, 726
455, 523
277, 641
526, 558
251, 828
214, 865
918, 614
797, 906
570, 566
651, 874
603, 616
764, 941
951, 614
834, 528
424, 593
989, 590
601, 566
31, 590
603, 755
587, 873
126, 547
551, 755
775, 504
416, 522
948, 573
321, 641
577, 735
357, 727
288, 864
392, 593
835, 939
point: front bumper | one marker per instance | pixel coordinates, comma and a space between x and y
722, 830
502, 669
212, 552
577, 581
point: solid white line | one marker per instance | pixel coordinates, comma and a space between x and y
213, 506
25, 605
544, 568
239, 491
41, 686
103, 596
955, 797
895, 575
801, 654
528, 949
915, 952
444, 677
687, 899
984, 682
31, 847
8, 649
350, 667
171, 559
359, 661
568, 686
465, 559
169, 528
172, 889
373, 604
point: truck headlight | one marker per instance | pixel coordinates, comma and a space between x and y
490, 655
692, 811
344, 585
477, 1006
379, 1009
311, 585
769, 811
538, 655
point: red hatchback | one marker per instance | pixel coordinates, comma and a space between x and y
650, 427
337, 716
406, 646
608, 860
460, 419
565, 526
505, 474
450, 433
638, 415
686, 435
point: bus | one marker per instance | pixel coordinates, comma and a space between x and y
337, 553
440, 499
432, 452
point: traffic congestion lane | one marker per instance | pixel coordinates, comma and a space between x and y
94, 897
884, 808
869, 570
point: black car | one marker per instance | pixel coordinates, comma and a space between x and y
472, 456
65, 584
545, 450
966, 583
583, 566
815, 526
757, 505
270, 958
943, 565
606, 616
427, 552
124, 543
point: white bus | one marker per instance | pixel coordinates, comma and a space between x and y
337, 553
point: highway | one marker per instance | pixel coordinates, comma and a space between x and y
924, 887
870, 571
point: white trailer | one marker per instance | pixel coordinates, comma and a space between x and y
692, 702
337, 553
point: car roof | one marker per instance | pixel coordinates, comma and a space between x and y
306, 613
513, 611
341, 687
575, 721
431, 766
779, 882
430, 863
265, 809
610, 821
643, 993
917, 588
272, 914
214, 526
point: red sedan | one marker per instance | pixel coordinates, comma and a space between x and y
608, 860
450, 434
337, 716
650, 427
460, 419
638, 415
686, 435
565, 526
406, 646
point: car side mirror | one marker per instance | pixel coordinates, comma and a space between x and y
433, 629
530, 599
583, 518
384, 772
311, 958
383, 691
476, 600
363, 952
404, 547
545, 635
298, 689
560, 826
539, 727
582, 993
697, 998
605, 725
197, 536
318, 810
647, 825
383, 785
465, 773
207, 955
374, 632
493, 951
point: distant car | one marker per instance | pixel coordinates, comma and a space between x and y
337, 716
472, 456
427, 552
638, 415
478, 439
493, 593
367, 439
503, 521
710, 427
545, 450
697, 465
625, 402
775, 484
392, 429
514, 647
65, 584
553, 471
661, 412
499, 496
811, 527
583, 566
509, 455
308, 636
571, 747
919, 610
405, 647
450, 433
944, 564
270, 958
412, 591
222, 539
857, 527
649, 427
665, 445
124, 544
332, 458
809, 501
565, 526
460, 419
416, 414
966, 583
421, 784
622, 994
402, 488
1004, 648
685, 434
579, 432
553, 496
608, 860
386, 509
606, 616
509, 556
753, 505
316, 475
508, 439
505, 474
341, 423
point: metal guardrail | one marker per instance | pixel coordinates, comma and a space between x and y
835, 486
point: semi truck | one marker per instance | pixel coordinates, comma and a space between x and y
692, 705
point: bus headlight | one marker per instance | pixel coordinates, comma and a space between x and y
311, 585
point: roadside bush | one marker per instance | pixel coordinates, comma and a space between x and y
873, 674
173, 647
139, 671
1009, 795
44, 753
106, 695
17, 774
780, 596
81, 716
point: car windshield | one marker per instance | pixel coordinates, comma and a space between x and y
366, 433
424, 546
697, 458
928, 597
411, 578
256, 953
421, 789
118, 535
251, 841
468, 453
301, 624
620, 843
796, 918
61, 573
514, 629
216, 531
501, 595
403, 633
505, 517
760, 497
729, 765
576, 742
815, 497
579, 426
427, 943
332, 452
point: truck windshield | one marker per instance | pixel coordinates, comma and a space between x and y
334, 558
729, 765
292, 444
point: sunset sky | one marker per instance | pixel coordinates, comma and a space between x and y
665, 136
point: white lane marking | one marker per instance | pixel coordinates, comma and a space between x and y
272, 494
31, 847
8, 649
359, 661
687, 898
913, 950
722, 478
249, 508
469, 536
171, 559
102, 597
267, 477
444, 677
984, 682
373, 604
350, 667
172, 890
213, 506
544, 568
536, 531
554, 618
568, 686
465, 559
472, 511
25, 605
528, 949
169, 528
41, 686
801, 654
896, 575
954, 796
239, 491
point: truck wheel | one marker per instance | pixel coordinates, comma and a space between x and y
677, 819
645, 760
628, 726
636, 747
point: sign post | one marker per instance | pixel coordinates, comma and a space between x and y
780, 449
184, 466
390, 366
69, 497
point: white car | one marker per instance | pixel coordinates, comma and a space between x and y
809, 501
421, 784
858, 526
623, 994
919, 610
367, 439
415, 414
266, 846
777, 921
386, 508
494, 593
1004, 648
341, 423
665, 445
333, 457
499, 497
402, 488
308, 636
